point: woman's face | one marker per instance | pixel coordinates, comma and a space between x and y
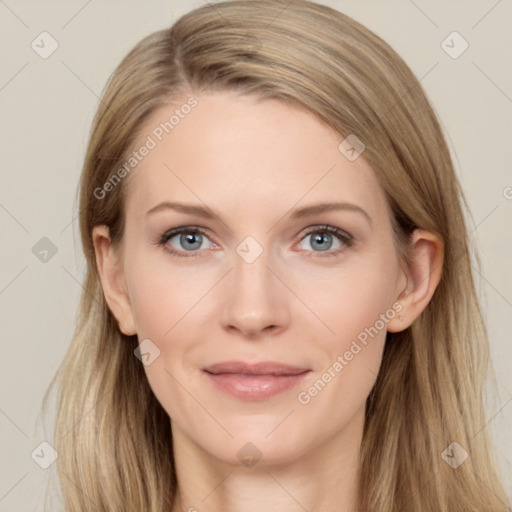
262, 279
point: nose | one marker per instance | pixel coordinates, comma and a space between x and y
256, 301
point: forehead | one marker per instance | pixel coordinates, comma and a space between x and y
235, 152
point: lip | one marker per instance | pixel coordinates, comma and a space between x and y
257, 381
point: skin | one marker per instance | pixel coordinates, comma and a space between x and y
253, 163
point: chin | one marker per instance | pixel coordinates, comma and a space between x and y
257, 441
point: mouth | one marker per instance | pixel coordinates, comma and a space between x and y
254, 381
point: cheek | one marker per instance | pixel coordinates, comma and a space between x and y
356, 298
162, 292
358, 308
163, 297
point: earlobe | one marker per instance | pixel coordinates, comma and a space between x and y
110, 270
422, 275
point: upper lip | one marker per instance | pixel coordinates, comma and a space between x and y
261, 368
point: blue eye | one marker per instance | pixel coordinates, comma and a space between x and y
192, 239
189, 238
322, 239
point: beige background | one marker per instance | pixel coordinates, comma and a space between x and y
46, 110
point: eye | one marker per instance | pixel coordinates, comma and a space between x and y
187, 239
321, 239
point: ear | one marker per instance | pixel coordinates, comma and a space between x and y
422, 275
110, 269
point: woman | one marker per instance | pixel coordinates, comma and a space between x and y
279, 310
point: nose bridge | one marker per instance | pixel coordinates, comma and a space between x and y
256, 298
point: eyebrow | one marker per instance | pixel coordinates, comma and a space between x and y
298, 213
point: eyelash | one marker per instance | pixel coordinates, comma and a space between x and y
346, 239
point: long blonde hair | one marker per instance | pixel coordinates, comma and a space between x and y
113, 437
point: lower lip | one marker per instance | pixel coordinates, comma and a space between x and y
254, 387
